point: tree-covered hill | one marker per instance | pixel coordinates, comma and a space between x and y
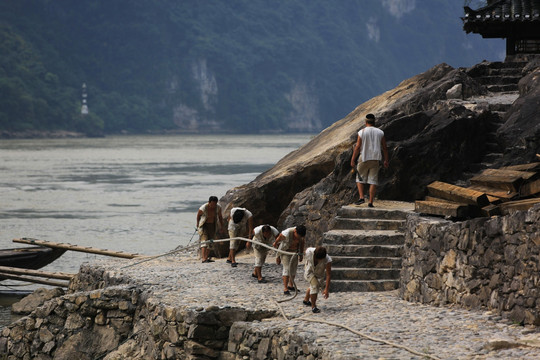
227, 66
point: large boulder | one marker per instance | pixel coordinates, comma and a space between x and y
31, 302
429, 136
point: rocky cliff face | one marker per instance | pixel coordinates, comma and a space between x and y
430, 137
189, 118
201, 114
304, 116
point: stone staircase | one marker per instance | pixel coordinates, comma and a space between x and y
366, 245
501, 79
498, 77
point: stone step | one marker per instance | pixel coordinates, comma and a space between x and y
496, 68
363, 237
366, 262
365, 274
365, 250
507, 65
493, 146
510, 71
498, 80
363, 285
502, 88
492, 157
502, 108
367, 224
362, 211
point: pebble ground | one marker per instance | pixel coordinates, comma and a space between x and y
446, 332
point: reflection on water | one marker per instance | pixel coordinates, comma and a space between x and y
131, 193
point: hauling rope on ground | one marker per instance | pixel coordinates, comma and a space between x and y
370, 337
412, 351
188, 247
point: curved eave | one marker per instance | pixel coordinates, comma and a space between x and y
502, 28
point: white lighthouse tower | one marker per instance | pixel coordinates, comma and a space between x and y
84, 108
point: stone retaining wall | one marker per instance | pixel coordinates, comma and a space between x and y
102, 318
76, 326
485, 262
260, 340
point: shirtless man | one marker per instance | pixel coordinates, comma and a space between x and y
291, 240
209, 223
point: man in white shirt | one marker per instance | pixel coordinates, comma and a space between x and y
265, 234
240, 225
317, 263
371, 146
290, 240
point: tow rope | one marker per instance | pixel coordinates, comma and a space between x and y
287, 299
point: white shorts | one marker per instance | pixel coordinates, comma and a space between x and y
367, 172
289, 266
315, 285
260, 257
233, 244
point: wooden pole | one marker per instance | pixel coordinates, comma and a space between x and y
85, 249
33, 280
37, 273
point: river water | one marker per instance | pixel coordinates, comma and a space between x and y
130, 193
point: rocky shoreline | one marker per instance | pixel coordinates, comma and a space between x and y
37, 134
177, 307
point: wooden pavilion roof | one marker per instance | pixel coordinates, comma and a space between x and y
504, 18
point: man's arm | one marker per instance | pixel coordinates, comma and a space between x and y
328, 277
385, 151
220, 219
199, 214
301, 246
356, 151
250, 226
278, 240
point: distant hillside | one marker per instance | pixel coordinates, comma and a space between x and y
217, 66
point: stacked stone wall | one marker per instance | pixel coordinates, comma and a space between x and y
76, 326
491, 263
112, 321
270, 340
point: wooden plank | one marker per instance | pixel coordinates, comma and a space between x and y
441, 208
457, 194
534, 167
494, 194
509, 180
37, 273
491, 210
84, 249
518, 205
436, 199
530, 188
33, 280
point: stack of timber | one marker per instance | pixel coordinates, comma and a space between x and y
35, 276
21, 264
492, 192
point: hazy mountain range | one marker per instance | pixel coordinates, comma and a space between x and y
217, 66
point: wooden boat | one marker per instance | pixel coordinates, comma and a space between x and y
32, 257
